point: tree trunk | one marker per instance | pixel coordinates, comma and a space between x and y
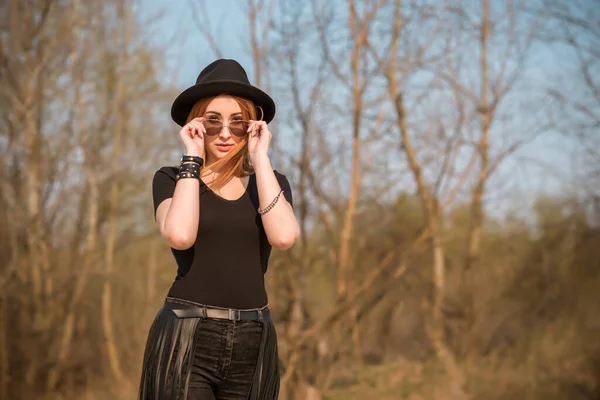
430, 206
348, 225
477, 211
437, 330
34, 211
113, 214
66, 340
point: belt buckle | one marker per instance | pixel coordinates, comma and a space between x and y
234, 315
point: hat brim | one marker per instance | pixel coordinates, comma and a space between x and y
184, 103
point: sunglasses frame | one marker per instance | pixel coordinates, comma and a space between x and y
223, 125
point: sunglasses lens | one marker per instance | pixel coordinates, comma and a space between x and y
213, 127
212, 131
238, 128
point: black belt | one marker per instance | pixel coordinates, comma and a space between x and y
186, 310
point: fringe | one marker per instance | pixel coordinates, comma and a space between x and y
168, 357
265, 383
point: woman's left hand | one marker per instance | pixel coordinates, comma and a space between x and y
259, 139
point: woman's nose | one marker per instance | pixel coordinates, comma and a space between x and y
225, 132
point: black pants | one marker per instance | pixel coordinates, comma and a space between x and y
209, 359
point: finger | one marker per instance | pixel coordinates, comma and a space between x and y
190, 130
201, 124
263, 127
192, 123
196, 122
259, 128
199, 130
198, 127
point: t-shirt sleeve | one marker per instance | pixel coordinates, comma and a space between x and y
285, 185
163, 186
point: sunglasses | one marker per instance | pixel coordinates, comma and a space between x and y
238, 127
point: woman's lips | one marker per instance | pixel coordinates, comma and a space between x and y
224, 148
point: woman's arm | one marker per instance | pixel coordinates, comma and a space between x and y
178, 217
280, 223
177, 203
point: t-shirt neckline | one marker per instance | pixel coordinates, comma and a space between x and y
228, 200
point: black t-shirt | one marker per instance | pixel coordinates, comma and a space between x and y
225, 267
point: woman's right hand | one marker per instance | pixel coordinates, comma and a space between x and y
192, 136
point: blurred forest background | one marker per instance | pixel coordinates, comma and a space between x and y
445, 163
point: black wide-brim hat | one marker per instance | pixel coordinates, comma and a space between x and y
222, 76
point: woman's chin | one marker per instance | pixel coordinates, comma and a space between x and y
218, 155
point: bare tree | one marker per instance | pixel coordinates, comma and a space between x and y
29, 54
57, 125
400, 125
577, 24
90, 204
433, 200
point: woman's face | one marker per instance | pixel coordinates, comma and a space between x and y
222, 111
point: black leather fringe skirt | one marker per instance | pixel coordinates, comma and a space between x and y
169, 356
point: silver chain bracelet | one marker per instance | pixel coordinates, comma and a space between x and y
267, 208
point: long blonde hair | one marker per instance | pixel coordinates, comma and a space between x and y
237, 161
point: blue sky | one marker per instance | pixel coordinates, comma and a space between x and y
188, 52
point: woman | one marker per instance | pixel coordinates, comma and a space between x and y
221, 212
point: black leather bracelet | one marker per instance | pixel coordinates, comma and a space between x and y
185, 175
196, 159
192, 167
